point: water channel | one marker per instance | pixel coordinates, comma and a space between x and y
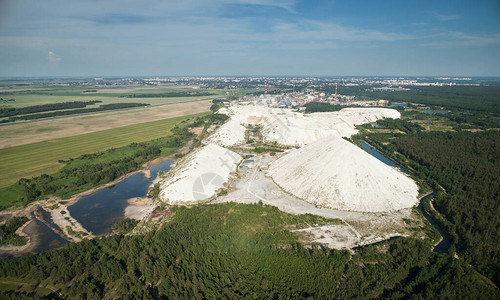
382, 158
443, 246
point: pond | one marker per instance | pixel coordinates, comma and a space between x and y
98, 212
48, 239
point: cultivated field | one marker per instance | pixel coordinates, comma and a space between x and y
47, 95
42, 157
37, 131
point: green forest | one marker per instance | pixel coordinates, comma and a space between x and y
11, 111
475, 98
321, 107
464, 168
229, 251
8, 234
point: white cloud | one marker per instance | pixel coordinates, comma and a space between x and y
53, 59
460, 39
451, 17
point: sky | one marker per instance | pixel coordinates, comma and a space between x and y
249, 38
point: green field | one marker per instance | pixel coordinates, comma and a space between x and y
34, 159
48, 95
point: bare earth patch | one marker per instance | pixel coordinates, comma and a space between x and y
196, 130
139, 201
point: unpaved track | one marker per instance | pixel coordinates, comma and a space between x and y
37, 131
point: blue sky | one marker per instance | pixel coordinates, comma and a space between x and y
249, 37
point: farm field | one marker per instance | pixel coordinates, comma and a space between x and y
34, 159
47, 95
30, 132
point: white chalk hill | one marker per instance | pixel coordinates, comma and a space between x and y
199, 175
334, 173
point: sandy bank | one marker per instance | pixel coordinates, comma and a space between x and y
27, 230
139, 212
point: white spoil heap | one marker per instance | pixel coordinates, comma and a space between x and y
230, 134
334, 173
199, 176
287, 127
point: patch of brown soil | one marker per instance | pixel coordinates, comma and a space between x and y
37, 131
139, 201
197, 130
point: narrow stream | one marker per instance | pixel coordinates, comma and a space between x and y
443, 246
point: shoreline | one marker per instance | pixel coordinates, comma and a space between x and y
138, 208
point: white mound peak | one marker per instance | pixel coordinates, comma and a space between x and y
334, 173
287, 127
199, 175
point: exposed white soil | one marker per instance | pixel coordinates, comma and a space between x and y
287, 127
334, 173
358, 228
332, 236
199, 175
229, 134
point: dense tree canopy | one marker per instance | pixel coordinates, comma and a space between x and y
238, 251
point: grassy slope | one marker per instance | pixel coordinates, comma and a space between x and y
38, 158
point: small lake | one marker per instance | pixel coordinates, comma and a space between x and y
382, 158
398, 105
99, 211
48, 239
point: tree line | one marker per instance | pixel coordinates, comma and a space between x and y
11, 111
321, 107
58, 113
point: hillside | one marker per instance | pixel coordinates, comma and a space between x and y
336, 174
